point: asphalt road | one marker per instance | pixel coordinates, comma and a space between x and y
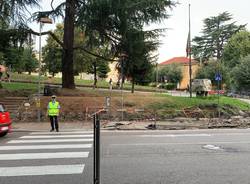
145, 157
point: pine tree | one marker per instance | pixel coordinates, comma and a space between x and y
216, 32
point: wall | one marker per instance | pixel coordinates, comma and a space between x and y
185, 72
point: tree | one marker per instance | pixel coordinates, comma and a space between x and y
103, 69
52, 52
241, 74
104, 18
14, 11
172, 73
13, 59
237, 47
215, 34
29, 60
210, 69
139, 47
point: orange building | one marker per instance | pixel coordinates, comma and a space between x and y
184, 62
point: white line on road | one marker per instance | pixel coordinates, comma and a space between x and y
41, 170
60, 133
28, 156
54, 136
50, 141
211, 147
54, 146
177, 135
180, 143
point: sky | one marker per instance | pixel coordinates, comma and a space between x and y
173, 43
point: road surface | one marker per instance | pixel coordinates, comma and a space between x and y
138, 157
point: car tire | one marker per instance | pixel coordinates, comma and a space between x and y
3, 134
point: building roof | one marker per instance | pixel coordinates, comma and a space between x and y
180, 60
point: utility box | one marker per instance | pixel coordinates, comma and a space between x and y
201, 86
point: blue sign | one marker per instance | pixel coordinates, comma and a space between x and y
218, 77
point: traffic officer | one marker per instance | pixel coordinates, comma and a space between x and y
53, 112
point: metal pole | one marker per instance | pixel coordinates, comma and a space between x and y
122, 86
189, 51
219, 98
39, 76
156, 83
96, 149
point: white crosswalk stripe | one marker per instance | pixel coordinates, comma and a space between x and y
41, 170
50, 141
69, 145
61, 133
53, 146
55, 136
25, 156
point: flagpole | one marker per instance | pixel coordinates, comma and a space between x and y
189, 53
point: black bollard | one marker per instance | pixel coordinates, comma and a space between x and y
96, 151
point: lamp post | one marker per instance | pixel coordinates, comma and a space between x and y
43, 20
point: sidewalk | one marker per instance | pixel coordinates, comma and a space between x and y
171, 124
45, 126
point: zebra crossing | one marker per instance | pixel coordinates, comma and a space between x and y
42, 148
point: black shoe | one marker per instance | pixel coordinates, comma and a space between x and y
52, 130
57, 130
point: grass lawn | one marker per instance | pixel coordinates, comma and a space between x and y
152, 101
19, 86
178, 103
100, 83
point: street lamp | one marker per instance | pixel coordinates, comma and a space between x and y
43, 20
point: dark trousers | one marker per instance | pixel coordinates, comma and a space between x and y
53, 122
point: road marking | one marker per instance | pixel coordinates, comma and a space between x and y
41, 170
211, 147
179, 143
50, 141
177, 135
60, 133
28, 156
54, 146
54, 136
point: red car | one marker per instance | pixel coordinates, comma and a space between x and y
5, 122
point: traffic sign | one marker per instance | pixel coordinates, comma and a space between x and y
218, 77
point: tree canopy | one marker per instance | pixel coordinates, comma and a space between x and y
217, 30
210, 69
237, 47
172, 73
109, 19
241, 74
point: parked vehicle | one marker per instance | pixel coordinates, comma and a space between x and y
202, 87
5, 121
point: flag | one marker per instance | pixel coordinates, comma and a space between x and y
188, 46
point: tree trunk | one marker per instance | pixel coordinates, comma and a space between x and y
68, 41
133, 85
95, 75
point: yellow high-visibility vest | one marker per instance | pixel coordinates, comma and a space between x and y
53, 109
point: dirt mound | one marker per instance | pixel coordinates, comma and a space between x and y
18, 93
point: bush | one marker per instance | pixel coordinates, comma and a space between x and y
241, 74
168, 86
